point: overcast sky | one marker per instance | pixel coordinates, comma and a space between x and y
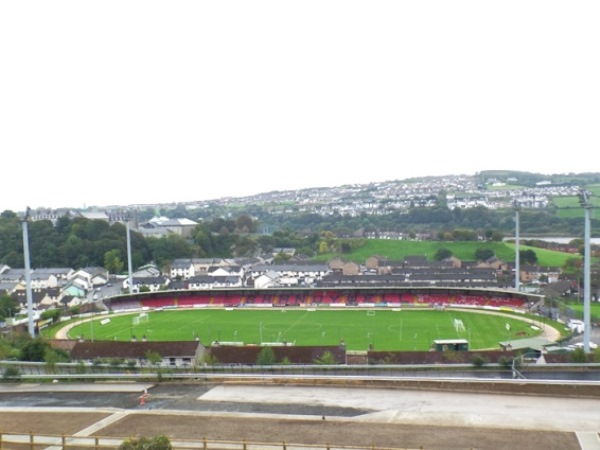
122, 102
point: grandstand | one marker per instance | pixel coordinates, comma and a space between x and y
380, 297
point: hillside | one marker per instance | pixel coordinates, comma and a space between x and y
399, 249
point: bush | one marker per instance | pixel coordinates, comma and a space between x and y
266, 357
209, 359
11, 373
326, 358
80, 368
160, 442
478, 361
505, 362
579, 356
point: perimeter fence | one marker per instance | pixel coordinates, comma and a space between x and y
31, 441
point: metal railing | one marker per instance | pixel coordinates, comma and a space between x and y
37, 441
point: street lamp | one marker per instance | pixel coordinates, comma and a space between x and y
30, 327
584, 201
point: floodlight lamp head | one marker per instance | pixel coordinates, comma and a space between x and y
584, 198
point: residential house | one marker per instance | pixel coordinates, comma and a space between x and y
213, 282
94, 276
16, 276
286, 252
534, 274
149, 270
268, 279
292, 274
562, 288
74, 289
183, 227
496, 263
40, 298
351, 268
416, 261
153, 284
182, 269
336, 264
373, 262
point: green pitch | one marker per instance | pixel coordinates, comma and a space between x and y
392, 330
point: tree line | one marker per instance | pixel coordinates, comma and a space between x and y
78, 242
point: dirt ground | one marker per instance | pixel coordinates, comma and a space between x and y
293, 431
171, 412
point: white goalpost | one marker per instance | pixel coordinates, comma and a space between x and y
459, 325
143, 317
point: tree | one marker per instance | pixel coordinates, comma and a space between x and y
266, 357
34, 350
483, 254
153, 358
113, 262
245, 246
527, 256
442, 254
323, 247
245, 224
8, 307
53, 314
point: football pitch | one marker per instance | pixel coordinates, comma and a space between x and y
390, 329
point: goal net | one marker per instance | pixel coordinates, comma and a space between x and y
143, 317
458, 325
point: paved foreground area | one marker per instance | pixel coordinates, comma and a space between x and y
305, 415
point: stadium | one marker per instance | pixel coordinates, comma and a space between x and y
361, 318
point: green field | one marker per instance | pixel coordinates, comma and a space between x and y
392, 330
569, 207
578, 306
399, 249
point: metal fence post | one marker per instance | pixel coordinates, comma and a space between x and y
31, 443
284, 445
205, 444
63, 441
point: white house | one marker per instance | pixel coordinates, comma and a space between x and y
183, 268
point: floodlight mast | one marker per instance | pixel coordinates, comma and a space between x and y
30, 327
517, 208
129, 263
584, 201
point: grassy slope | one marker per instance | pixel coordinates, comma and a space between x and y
398, 250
